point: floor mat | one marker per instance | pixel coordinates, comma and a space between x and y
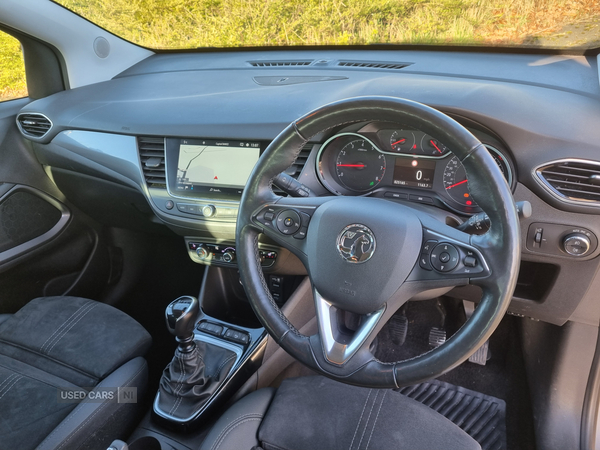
482, 416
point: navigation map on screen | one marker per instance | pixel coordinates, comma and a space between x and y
215, 165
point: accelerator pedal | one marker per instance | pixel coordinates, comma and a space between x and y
437, 336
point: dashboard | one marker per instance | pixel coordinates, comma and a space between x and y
172, 140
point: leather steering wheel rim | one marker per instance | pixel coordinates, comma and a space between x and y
498, 249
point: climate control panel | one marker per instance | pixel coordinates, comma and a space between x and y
223, 254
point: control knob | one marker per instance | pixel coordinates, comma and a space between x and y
202, 252
229, 256
209, 211
576, 244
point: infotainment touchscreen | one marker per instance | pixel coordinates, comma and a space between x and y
216, 167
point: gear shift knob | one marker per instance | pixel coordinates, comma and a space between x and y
181, 317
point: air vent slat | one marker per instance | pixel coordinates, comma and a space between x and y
34, 124
152, 152
575, 181
281, 63
391, 65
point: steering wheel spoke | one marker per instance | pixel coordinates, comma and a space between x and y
338, 341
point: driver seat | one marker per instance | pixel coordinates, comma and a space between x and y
318, 413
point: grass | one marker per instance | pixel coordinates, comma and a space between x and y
226, 23
12, 70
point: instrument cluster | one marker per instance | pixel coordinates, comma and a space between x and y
404, 163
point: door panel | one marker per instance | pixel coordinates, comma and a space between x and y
47, 246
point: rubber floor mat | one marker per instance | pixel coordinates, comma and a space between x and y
482, 416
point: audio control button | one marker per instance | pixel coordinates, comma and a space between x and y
288, 222
444, 257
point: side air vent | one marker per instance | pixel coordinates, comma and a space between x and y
152, 157
373, 64
296, 169
34, 124
282, 63
572, 180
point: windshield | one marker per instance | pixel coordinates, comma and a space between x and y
186, 24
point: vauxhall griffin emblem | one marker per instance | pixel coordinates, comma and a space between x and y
356, 243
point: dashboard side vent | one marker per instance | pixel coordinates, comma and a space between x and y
296, 169
373, 64
281, 63
572, 180
34, 124
152, 157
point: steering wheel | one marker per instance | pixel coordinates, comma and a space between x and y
363, 255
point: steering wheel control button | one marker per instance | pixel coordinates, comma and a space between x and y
356, 243
424, 261
428, 246
269, 215
444, 257
576, 244
288, 222
301, 234
470, 261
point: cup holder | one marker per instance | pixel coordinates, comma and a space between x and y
145, 443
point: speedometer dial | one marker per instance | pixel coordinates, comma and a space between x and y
360, 166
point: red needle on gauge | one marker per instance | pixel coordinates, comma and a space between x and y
398, 142
457, 184
436, 147
352, 165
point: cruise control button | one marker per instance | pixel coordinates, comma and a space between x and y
470, 261
269, 216
444, 257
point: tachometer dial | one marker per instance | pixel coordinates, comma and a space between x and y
433, 147
403, 141
360, 166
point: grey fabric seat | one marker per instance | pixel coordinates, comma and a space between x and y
313, 413
54, 346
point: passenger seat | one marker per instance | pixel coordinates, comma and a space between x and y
55, 350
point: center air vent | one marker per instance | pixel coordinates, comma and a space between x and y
296, 169
152, 157
572, 180
280, 63
34, 124
373, 64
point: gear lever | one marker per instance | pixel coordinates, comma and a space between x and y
197, 369
181, 317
